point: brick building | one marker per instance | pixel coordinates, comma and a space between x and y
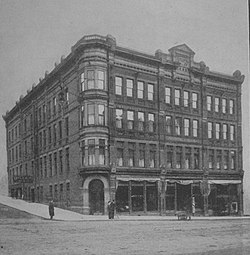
154, 132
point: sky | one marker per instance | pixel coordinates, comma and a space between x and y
34, 34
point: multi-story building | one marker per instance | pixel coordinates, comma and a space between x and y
156, 133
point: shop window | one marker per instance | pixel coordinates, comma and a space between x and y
140, 89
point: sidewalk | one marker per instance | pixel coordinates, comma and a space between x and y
41, 210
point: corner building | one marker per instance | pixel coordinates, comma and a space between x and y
157, 133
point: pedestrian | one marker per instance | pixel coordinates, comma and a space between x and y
112, 209
51, 209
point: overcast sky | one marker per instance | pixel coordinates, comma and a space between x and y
34, 34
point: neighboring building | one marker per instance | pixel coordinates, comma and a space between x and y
154, 132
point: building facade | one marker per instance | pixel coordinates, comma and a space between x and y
157, 133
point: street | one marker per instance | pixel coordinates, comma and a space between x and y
37, 236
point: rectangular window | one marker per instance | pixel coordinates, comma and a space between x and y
187, 127
140, 89
101, 114
233, 160
218, 160
141, 121
82, 82
150, 92
196, 158
216, 104
209, 130
217, 130
231, 106
130, 119
131, 155
168, 95
91, 152
55, 163
151, 121
101, 152
129, 85
226, 160
120, 156
178, 126
142, 155
186, 99
90, 79
194, 100
224, 105
119, 116
152, 156
100, 80
195, 128
91, 114
232, 135
224, 130
118, 85
178, 157
169, 125
177, 95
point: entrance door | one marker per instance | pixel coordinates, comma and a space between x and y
96, 197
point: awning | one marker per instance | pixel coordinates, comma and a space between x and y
224, 181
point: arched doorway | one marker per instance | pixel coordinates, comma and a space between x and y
96, 197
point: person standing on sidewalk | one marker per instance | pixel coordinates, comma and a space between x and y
51, 209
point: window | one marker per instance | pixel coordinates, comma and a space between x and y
210, 159
101, 114
140, 89
233, 157
120, 155
91, 152
131, 154
130, 85
118, 85
169, 157
231, 106
82, 82
142, 155
195, 128
119, 115
168, 95
178, 126
100, 80
226, 160
188, 158
196, 158
141, 121
169, 125
178, 157
224, 131
152, 156
216, 104
194, 100
232, 135
91, 114
177, 94
186, 99
186, 127
130, 119
101, 152
67, 158
151, 120
218, 160
55, 163
83, 159
90, 79
209, 130
224, 104
217, 130
150, 92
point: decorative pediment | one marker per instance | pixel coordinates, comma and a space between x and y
182, 48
